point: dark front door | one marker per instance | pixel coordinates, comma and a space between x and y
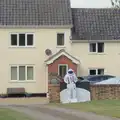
62, 70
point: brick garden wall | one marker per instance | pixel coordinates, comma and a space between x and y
54, 93
103, 92
98, 92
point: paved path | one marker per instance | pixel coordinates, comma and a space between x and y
44, 112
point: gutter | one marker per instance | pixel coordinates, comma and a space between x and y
88, 41
37, 26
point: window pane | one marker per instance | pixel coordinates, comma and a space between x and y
92, 47
100, 71
21, 39
29, 39
100, 47
60, 39
13, 39
62, 70
13, 73
21, 72
92, 72
29, 73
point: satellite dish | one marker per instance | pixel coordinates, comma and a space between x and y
48, 52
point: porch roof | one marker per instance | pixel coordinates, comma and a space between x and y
60, 53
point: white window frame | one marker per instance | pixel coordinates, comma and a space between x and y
62, 65
25, 72
64, 39
25, 40
95, 69
96, 47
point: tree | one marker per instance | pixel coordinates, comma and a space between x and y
115, 3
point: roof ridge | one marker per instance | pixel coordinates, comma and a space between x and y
35, 12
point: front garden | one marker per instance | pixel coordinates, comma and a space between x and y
103, 107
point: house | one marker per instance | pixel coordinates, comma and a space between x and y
39, 37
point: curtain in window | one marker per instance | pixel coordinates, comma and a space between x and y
13, 73
92, 47
29, 73
21, 72
100, 71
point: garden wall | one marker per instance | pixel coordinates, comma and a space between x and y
54, 93
103, 92
98, 92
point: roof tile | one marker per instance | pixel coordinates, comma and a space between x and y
96, 24
35, 12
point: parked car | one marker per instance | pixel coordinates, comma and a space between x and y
96, 78
115, 80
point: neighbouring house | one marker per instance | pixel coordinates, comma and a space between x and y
44, 37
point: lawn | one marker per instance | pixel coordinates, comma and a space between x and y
7, 114
102, 107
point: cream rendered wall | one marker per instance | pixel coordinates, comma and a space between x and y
109, 60
44, 39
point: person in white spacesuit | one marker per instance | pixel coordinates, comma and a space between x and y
70, 79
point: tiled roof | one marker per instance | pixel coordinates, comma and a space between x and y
35, 13
96, 24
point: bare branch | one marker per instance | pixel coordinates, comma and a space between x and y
115, 3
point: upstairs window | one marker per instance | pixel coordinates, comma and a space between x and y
14, 39
22, 39
97, 47
96, 72
60, 39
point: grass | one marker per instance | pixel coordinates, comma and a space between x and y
7, 114
103, 107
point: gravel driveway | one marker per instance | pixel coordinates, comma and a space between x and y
44, 112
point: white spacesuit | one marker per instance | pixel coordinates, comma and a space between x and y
70, 78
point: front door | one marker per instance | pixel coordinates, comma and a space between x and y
62, 70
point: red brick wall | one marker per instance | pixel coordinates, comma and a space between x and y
98, 92
54, 93
61, 60
103, 92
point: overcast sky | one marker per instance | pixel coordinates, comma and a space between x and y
90, 3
